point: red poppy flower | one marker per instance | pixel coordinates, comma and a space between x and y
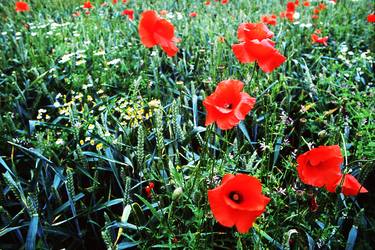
256, 46
224, 1
87, 5
316, 39
129, 13
320, 167
227, 106
306, 3
371, 18
22, 6
238, 201
271, 20
124, 1
314, 16
290, 7
154, 30
316, 11
114, 1
289, 12
207, 3
322, 6
193, 14
296, 2
149, 188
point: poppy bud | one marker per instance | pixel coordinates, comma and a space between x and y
322, 133
313, 204
177, 193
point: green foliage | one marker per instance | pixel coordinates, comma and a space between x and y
89, 118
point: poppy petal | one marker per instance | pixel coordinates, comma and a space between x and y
223, 213
249, 188
227, 122
163, 32
251, 31
146, 25
267, 56
246, 220
351, 186
320, 175
226, 178
241, 53
332, 184
247, 103
272, 62
171, 50
323, 153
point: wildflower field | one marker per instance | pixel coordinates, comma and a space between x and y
186, 124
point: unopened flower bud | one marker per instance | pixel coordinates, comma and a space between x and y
177, 193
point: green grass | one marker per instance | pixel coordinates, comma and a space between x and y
68, 176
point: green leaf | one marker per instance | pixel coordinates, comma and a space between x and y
350, 243
31, 234
150, 206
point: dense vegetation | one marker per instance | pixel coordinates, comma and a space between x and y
103, 142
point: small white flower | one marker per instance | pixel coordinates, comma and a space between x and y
305, 25
66, 58
83, 61
99, 53
114, 62
60, 142
296, 15
179, 16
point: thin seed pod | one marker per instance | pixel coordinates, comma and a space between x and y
176, 126
107, 239
140, 145
12, 187
34, 196
127, 190
70, 182
31, 206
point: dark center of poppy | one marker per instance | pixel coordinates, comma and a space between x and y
235, 196
228, 106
